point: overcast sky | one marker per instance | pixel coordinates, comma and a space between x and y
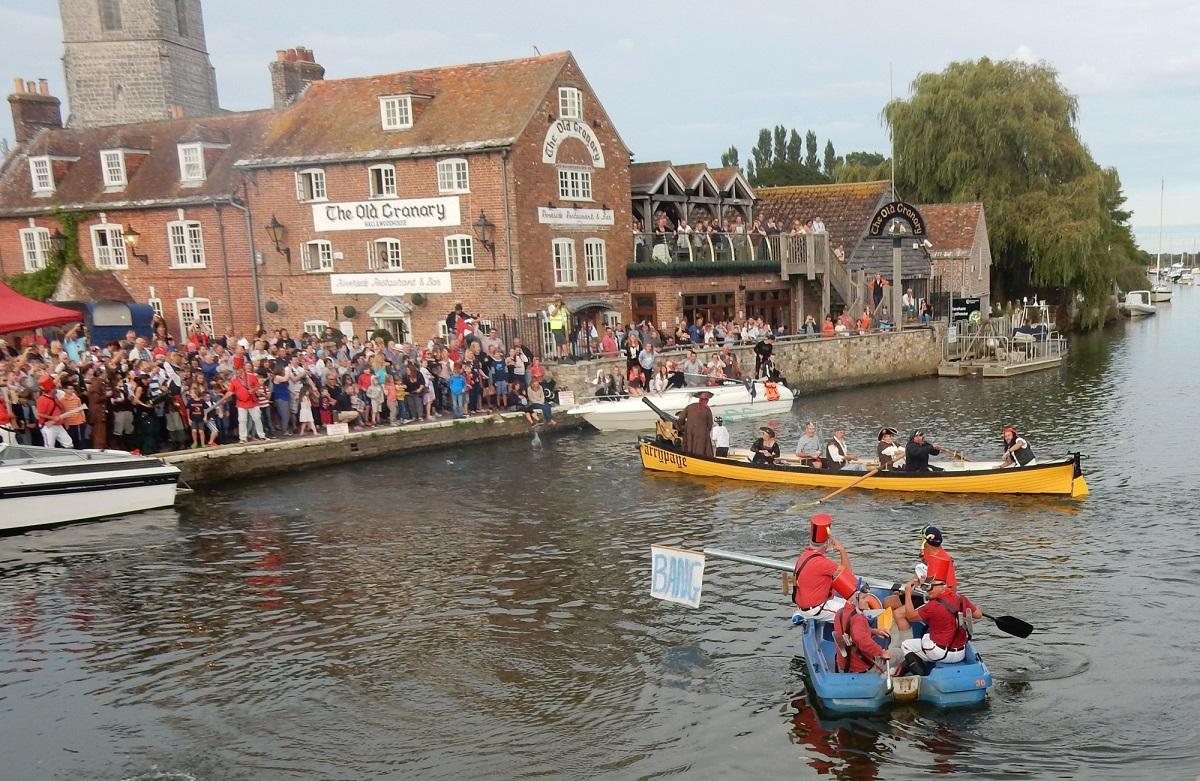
684, 81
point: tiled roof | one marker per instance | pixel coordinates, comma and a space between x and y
643, 176
154, 180
725, 176
690, 172
477, 106
90, 285
846, 209
951, 227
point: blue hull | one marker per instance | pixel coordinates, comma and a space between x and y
947, 685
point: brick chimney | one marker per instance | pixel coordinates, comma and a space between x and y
33, 108
291, 72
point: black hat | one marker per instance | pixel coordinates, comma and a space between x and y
886, 430
767, 429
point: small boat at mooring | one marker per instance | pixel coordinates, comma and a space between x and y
733, 401
1061, 476
1137, 304
41, 486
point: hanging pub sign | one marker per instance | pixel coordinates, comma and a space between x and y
965, 309
391, 213
897, 210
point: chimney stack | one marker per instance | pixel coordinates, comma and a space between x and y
33, 108
291, 72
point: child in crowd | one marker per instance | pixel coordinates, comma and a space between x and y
197, 407
458, 391
327, 407
392, 399
375, 397
306, 412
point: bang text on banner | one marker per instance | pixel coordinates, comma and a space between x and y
676, 575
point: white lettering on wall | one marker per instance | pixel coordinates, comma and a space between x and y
563, 129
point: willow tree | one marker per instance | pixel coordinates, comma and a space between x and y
1004, 133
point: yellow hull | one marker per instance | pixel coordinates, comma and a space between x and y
1060, 478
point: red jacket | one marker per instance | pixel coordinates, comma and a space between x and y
863, 649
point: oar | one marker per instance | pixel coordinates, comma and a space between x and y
808, 505
1012, 626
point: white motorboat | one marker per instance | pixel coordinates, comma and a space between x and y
1188, 276
732, 402
1137, 304
42, 486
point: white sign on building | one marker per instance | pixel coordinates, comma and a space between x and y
393, 213
390, 283
563, 129
581, 217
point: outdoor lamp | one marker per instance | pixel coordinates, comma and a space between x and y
132, 237
58, 241
275, 231
483, 231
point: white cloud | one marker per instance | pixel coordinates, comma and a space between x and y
1025, 54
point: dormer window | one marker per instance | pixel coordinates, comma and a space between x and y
42, 175
112, 161
570, 103
191, 163
396, 112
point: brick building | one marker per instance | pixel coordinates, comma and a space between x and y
962, 254
135, 60
363, 203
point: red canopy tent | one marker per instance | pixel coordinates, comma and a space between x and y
18, 313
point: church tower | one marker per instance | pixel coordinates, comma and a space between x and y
135, 60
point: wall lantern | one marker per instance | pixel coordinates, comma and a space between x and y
132, 237
276, 231
483, 231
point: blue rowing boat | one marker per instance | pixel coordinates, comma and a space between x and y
946, 686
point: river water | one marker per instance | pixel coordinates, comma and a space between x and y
484, 612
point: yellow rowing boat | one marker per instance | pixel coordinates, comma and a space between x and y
1061, 477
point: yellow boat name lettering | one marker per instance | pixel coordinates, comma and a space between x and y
667, 457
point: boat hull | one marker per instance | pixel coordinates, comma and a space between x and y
1061, 477
732, 402
957, 685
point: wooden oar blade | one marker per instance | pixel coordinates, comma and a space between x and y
1013, 626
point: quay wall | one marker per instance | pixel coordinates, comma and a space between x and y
209, 467
810, 365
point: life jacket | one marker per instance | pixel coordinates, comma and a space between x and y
772, 391
843, 641
962, 617
1024, 455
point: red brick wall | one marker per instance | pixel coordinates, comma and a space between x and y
669, 291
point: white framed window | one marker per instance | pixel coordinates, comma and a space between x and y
41, 175
575, 184
155, 306
595, 262
460, 251
35, 247
485, 326
548, 345
453, 176
396, 112
113, 163
108, 246
314, 327
612, 319
384, 255
316, 256
192, 310
310, 184
570, 103
383, 181
564, 262
187, 244
444, 331
191, 162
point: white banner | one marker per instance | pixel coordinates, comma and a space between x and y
396, 213
563, 129
390, 283
676, 575
584, 217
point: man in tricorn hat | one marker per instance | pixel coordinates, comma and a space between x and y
695, 424
815, 573
887, 450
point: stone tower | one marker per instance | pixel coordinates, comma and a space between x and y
135, 60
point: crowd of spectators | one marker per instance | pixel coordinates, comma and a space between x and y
157, 393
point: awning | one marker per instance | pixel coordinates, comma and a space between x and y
18, 313
390, 308
579, 304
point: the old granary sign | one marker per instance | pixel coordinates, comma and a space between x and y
897, 210
562, 129
391, 213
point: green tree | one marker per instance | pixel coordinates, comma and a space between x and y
863, 167
751, 174
762, 150
780, 143
785, 173
810, 147
830, 159
730, 158
1004, 133
795, 147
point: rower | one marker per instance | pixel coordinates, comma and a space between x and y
855, 639
918, 451
834, 454
765, 448
1017, 451
947, 616
816, 576
720, 437
887, 450
808, 449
